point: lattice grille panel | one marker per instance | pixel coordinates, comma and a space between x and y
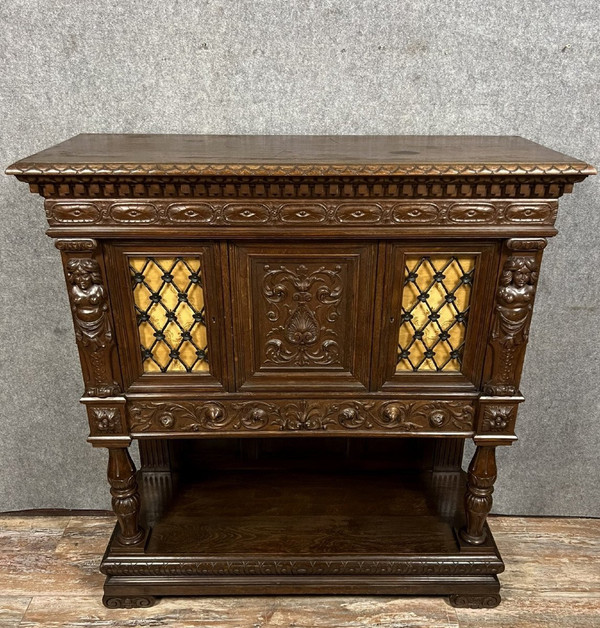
169, 303
435, 311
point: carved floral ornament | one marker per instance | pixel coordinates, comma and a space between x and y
106, 420
303, 307
498, 418
300, 415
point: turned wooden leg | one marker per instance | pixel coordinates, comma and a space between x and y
478, 498
125, 496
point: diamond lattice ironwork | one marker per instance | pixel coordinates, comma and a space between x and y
435, 309
169, 303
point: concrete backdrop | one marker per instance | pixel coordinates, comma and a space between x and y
515, 67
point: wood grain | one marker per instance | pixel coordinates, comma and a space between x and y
137, 154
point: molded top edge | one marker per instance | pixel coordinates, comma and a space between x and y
297, 155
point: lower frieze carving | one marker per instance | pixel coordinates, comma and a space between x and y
400, 416
410, 566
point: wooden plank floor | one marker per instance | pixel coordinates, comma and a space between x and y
49, 577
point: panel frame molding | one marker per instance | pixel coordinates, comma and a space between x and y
389, 302
250, 374
216, 315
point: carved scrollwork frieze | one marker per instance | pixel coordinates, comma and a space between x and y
300, 416
328, 212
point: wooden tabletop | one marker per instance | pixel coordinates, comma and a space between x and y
297, 155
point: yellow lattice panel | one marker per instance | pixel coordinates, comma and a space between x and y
169, 303
435, 308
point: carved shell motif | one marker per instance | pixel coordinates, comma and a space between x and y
302, 327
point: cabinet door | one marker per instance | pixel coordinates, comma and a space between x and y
168, 300
303, 314
435, 299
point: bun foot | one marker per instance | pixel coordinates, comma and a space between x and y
137, 601
489, 600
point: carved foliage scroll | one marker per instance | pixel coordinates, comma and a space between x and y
91, 317
512, 314
301, 416
303, 312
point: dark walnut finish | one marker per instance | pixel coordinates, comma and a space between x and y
254, 310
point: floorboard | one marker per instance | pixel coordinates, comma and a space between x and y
49, 577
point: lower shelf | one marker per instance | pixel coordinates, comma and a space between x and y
270, 532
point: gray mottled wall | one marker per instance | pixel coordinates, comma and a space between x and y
516, 67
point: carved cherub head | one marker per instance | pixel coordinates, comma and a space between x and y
519, 272
83, 272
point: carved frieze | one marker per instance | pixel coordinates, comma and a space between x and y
289, 415
227, 213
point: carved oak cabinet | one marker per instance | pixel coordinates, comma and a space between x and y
301, 332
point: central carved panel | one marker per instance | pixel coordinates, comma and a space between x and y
304, 307
304, 314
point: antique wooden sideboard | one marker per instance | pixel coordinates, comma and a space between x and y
301, 332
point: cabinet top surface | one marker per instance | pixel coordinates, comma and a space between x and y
297, 155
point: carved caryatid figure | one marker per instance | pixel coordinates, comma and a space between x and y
514, 305
92, 325
515, 300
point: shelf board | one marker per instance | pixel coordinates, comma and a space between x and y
268, 532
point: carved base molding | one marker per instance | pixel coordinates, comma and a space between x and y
397, 566
301, 416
